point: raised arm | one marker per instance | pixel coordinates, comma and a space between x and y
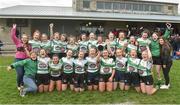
51, 30
13, 35
149, 52
168, 31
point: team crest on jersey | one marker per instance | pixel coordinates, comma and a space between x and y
57, 48
106, 70
92, 65
131, 68
42, 65
79, 68
83, 48
119, 64
68, 67
112, 49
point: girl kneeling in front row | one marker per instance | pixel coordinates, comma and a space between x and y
144, 69
106, 72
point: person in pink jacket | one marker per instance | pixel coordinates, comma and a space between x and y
22, 52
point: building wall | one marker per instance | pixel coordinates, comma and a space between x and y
167, 8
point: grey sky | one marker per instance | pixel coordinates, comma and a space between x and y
7, 3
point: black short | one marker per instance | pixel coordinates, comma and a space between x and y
119, 76
55, 78
79, 80
156, 60
104, 77
42, 79
92, 78
67, 78
148, 80
132, 79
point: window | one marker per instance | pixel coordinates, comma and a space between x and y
19, 22
108, 5
116, 6
128, 6
146, 7
100, 5
155, 8
141, 7
135, 7
86, 4
170, 7
122, 5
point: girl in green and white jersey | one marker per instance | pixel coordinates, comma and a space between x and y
55, 44
111, 45
45, 43
132, 75
120, 69
35, 42
79, 76
42, 76
83, 44
55, 69
92, 41
63, 47
143, 42
144, 69
68, 71
72, 46
132, 44
93, 69
121, 41
106, 72
100, 44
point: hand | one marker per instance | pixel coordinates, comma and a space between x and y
168, 25
9, 68
136, 43
14, 26
51, 25
164, 66
110, 79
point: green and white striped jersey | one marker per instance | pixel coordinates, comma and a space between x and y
36, 45
55, 46
43, 65
46, 45
145, 68
132, 64
79, 66
121, 44
121, 64
63, 47
74, 49
131, 47
106, 66
83, 46
113, 46
142, 44
92, 64
92, 43
67, 65
55, 69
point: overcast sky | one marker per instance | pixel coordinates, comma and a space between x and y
7, 3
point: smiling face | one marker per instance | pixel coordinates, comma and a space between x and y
144, 35
81, 55
33, 56
161, 41
100, 39
55, 59
154, 36
24, 39
105, 54
133, 53
56, 36
44, 37
111, 36
69, 53
121, 35
132, 40
92, 52
63, 37
91, 36
71, 41
144, 55
36, 35
83, 37
42, 53
119, 52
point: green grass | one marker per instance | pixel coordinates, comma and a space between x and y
10, 95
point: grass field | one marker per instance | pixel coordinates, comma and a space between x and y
10, 95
